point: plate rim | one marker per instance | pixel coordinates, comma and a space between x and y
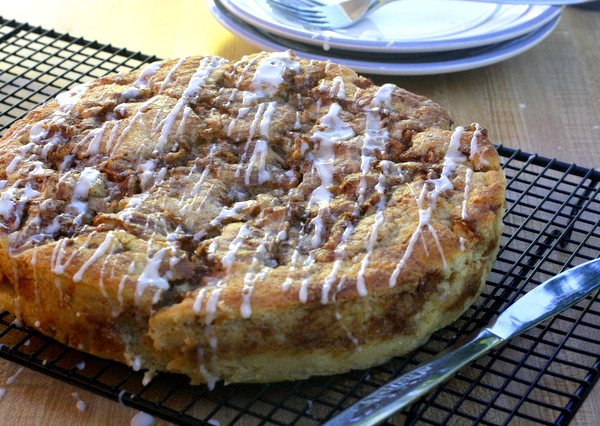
505, 51
329, 38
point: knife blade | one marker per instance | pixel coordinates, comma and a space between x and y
543, 302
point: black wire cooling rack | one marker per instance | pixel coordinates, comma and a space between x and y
542, 377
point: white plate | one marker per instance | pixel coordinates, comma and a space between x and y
400, 64
409, 25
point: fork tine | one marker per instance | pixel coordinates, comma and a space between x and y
290, 6
297, 3
295, 11
292, 11
314, 2
300, 17
305, 20
313, 13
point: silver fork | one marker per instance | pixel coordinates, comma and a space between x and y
313, 13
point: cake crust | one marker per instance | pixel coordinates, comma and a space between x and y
220, 219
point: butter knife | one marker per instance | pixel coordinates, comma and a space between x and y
543, 302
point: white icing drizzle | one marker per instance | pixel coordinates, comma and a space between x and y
376, 137
151, 276
210, 378
122, 283
147, 170
141, 419
81, 406
423, 220
147, 74
269, 73
234, 247
211, 312
242, 112
251, 278
58, 285
477, 134
113, 136
137, 117
225, 213
207, 65
375, 140
94, 137
338, 316
133, 205
332, 129
250, 98
57, 265
231, 98
451, 161
131, 93
136, 363
143, 81
248, 65
87, 177
197, 306
317, 224
373, 235
12, 378
383, 97
7, 205
258, 116
258, 159
164, 105
171, 73
261, 146
184, 206
288, 281
148, 376
38, 132
260, 267
265, 122
100, 251
452, 158
303, 293
337, 89
68, 100
211, 304
340, 252
468, 177
26, 149
181, 128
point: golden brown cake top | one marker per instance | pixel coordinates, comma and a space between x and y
197, 180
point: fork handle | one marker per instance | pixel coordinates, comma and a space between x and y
355, 10
374, 4
392, 397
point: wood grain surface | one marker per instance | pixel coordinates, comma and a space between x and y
544, 101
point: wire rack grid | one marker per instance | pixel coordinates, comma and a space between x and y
542, 377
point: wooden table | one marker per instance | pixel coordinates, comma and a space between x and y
545, 101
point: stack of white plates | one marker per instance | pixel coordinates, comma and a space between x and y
409, 37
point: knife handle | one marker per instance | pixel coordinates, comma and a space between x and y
400, 392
